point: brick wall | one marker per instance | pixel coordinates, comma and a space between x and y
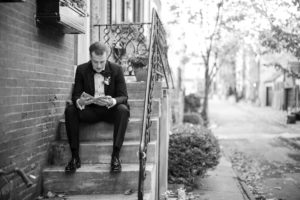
36, 72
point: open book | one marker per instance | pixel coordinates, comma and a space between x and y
101, 101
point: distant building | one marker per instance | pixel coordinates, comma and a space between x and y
279, 89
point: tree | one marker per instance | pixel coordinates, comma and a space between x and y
206, 54
198, 16
214, 31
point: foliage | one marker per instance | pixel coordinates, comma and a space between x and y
283, 34
297, 3
81, 4
191, 103
277, 39
138, 61
193, 118
192, 151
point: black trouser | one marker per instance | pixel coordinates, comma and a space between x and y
118, 115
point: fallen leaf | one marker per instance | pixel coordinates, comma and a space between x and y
128, 192
50, 194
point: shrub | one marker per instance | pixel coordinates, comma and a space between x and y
138, 61
192, 150
193, 118
192, 103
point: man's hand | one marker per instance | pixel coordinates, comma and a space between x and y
107, 101
111, 102
101, 101
83, 101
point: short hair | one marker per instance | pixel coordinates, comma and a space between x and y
99, 48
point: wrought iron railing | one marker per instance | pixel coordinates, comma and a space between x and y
158, 68
126, 40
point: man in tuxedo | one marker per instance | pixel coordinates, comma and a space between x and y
97, 78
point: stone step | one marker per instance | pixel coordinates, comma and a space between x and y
103, 131
136, 90
95, 179
137, 108
132, 196
98, 152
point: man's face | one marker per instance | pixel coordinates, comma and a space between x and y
98, 61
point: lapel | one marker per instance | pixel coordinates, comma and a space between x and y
90, 78
107, 69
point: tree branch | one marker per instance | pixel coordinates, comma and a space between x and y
219, 5
213, 75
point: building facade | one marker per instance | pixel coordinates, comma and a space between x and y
36, 73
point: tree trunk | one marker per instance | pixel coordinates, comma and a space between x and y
206, 91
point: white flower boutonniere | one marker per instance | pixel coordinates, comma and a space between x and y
106, 80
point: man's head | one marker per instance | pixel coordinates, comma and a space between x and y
98, 55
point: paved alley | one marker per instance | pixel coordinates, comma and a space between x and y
255, 140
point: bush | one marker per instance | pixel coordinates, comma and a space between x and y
192, 103
193, 118
192, 150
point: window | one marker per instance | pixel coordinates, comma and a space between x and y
127, 11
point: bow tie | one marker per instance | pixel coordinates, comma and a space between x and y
103, 73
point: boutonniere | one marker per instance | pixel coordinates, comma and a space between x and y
106, 80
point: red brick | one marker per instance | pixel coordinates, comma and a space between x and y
36, 65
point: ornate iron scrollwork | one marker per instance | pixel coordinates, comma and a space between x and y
125, 41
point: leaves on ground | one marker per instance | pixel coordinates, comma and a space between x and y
129, 192
253, 169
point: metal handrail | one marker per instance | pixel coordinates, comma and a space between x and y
157, 58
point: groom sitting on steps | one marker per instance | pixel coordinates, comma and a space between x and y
100, 94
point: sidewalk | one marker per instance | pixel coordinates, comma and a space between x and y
220, 184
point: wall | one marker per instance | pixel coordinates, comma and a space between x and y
269, 76
36, 72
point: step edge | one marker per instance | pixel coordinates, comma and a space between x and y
134, 119
86, 168
132, 196
103, 143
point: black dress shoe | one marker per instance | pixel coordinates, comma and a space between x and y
73, 165
115, 165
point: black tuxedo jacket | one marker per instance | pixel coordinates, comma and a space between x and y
84, 82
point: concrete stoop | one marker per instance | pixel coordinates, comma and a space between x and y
103, 131
133, 196
99, 152
93, 180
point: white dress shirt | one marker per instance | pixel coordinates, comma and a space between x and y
99, 85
